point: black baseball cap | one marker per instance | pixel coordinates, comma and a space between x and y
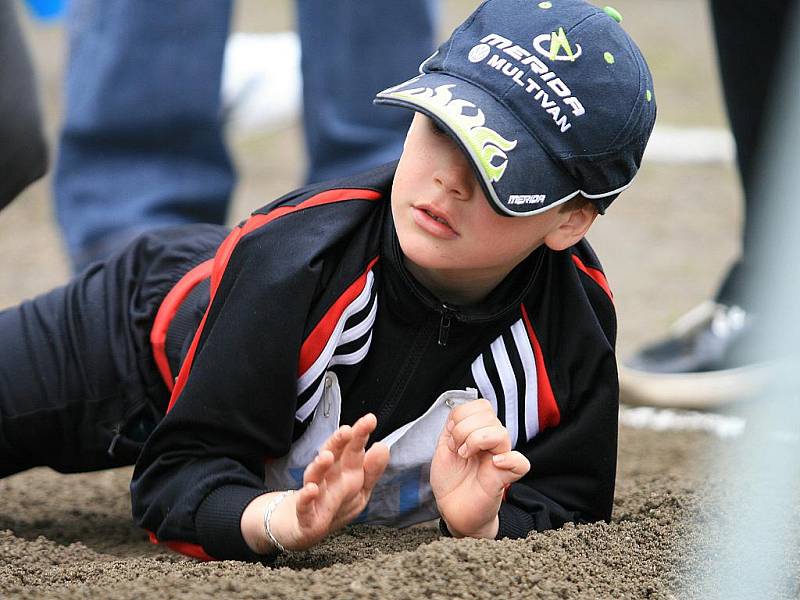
548, 99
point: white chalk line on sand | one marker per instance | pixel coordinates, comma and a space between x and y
668, 419
721, 426
671, 144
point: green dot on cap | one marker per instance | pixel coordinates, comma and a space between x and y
649, 95
613, 13
545, 5
609, 57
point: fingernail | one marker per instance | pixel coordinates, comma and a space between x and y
450, 425
463, 450
498, 458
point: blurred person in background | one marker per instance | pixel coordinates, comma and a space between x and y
142, 142
23, 153
705, 360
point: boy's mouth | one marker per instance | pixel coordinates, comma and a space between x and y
434, 222
441, 220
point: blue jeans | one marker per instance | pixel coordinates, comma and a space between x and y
142, 142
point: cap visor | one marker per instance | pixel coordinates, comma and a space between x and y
516, 173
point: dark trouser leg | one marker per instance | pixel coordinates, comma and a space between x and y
750, 39
79, 390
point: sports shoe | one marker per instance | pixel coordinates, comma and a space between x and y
703, 363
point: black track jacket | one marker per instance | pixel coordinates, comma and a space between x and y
323, 260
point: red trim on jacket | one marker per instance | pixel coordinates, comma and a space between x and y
326, 197
549, 414
257, 221
225, 251
167, 311
319, 336
193, 550
222, 256
596, 274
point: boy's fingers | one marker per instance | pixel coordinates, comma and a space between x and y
444, 434
492, 439
338, 440
375, 461
353, 453
336, 444
464, 428
463, 411
304, 504
315, 472
365, 425
511, 466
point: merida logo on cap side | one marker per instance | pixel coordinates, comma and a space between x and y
527, 199
485, 144
550, 88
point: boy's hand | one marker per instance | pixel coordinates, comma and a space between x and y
336, 487
472, 465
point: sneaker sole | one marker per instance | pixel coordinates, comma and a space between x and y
693, 390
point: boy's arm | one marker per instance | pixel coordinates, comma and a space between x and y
336, 488
234, 402
573, 468
483, 489
573, 465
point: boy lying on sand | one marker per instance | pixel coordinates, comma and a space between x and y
434, 338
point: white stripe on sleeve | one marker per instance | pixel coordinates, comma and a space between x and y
509, 381
353, 357
531, 386
307, 378
482, 381
361, 328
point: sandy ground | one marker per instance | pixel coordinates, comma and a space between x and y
664, 244
70, 537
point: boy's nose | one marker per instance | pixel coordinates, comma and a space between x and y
454, 177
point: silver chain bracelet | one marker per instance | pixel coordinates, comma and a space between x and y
268, 516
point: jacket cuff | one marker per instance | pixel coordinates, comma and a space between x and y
515, 523
218, 523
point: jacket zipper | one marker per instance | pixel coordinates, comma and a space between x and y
444, 324
405, 372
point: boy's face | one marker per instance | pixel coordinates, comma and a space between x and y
444, 222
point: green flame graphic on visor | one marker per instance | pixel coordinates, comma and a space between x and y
485, 144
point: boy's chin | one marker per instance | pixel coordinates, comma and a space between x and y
430, 261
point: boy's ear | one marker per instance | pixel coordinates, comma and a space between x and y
572, 229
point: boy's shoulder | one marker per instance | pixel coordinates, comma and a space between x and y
368, 185
322, 236
575, 304
587, 263
312, 222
